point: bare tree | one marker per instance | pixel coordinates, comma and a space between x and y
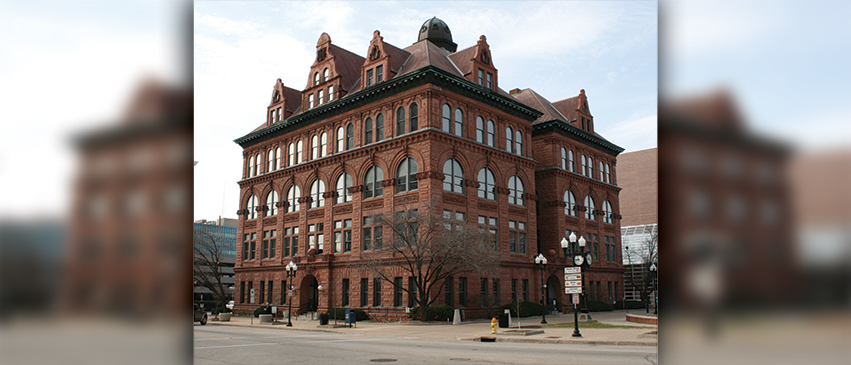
207, 265
429, 248
639, 274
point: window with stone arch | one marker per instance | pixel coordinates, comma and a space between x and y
589, 208
350, 136
344, 183
584, 165
379, 127
518, 142
257, 161
278, 164
590, 167
515, 191
291, 154
251, 171
317, 192
292, 199
367, 131
413, 113
447, 118
314, 147
251, 205
406, 176
400, 121
372, 183
491, 133
480, 129
325, 75
453, 176
564, 158
509, 142
270, 160
569, 203
272, 203
608, 216
316, 79
299, 149
341, 138
323, 144
459, 123
571, 163
487, 183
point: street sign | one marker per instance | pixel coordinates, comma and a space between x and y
573, 277
576, 299
290, 292
573, 290
572, 270
274, 309
571, 283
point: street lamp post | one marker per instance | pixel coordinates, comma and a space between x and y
319, 294
291, 269
653, 274
631, 277
586, 262
576, 333
541, 261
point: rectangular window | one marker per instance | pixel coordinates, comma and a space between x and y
514, 290
481, 77
269, 293
251, 250
495, 292
596, 251
265, 244
490, 81
521, 237
241, 292
512, 237
525, 290
284, 292
369, 77
462, 292
309, 103
250, 293
599, 290
273, 238
483, 292
364, 292
448, 295
376, 292
412, 292
397, 287
617, 295
343, 236
345, 292
379, 74
245, 245
291, 241
610, 291
262, 292
321, 96
330, 93
316, 240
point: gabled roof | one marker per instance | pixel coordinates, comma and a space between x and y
425, 53
293, 99
348, 66
462, 59
567, 107
535, 100
397, 56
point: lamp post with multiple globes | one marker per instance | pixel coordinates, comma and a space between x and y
541, 261
291, 269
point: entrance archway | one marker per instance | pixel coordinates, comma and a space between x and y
554, 288
308, 294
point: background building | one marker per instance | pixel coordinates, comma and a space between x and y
428, 128
223, 232
639, 180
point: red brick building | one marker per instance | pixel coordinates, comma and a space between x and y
429, 127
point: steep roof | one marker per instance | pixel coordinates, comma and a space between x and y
293, 98
348, 66
535, 100
397, 56
425, 53
462, 59
567, 107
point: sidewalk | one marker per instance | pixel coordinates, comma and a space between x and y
641, 335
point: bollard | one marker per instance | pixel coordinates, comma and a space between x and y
493, 326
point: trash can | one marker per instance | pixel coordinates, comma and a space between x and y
503, 320
323, 319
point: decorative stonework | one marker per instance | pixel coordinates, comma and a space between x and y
487, 206
251, 224
291, 218
430, 175
406, 199
388, 182
270, 221
471, 183
553, 203
530, 196
316, 213
356, 189
609, 228
374, 204
516, 210
571, 220
342, 209
454, 199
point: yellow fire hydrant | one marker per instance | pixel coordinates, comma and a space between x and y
493, 326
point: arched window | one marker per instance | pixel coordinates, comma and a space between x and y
584, 165
252, 207
325, 75
571, 164
447, 118
602, 171
608, 217
299, 151
292, 199
323, 144
314, 147
330, 93
310, 101
608, 174
270, 160
486, 184
569, 203
379, 127
515, 191
320, 97
590, 167
317, 190
278, 158
350, 136
564, 158
509, 143
589, 208
412, 116
372, 183
272, 203
367, 131
491, 133
291, 154
406, 176
453, 176
251, 171
341, 137
316, 79
344, 182
518, 142
459, 123
480, 129
257, 161
400, 121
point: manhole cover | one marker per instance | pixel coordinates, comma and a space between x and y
383, 360
459, 359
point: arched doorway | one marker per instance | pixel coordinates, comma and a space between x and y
309, 294
554, 288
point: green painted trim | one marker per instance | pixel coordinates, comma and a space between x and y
560, 127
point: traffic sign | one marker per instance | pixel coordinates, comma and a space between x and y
571, 283
573, 277
573, 290
576, 299
572, 270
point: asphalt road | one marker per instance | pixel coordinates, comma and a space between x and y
240, 345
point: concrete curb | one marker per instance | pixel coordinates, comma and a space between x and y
276, 327
566, 341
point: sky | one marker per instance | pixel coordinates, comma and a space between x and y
555, 48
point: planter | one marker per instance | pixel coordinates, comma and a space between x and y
224, 317
265, 318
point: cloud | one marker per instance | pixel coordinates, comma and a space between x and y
633, 134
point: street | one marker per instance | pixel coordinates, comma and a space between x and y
241, 345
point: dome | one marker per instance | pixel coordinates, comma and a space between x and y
436, 31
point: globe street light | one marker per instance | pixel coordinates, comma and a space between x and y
576, 333
541, 261
655, 282
585, 262
291, 269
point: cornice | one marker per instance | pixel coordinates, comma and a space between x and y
588, 139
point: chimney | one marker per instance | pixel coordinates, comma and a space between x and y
514, 92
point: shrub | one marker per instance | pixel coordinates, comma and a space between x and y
526, 309
598, 306
262, 310
435, 313
630, 304
340, 313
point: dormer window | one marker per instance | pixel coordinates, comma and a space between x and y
369, 77
490, 81
481, 77
310, 101
330, 93
325, 75
379, 74
321, 97
316, 79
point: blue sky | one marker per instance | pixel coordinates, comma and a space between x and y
555, 48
